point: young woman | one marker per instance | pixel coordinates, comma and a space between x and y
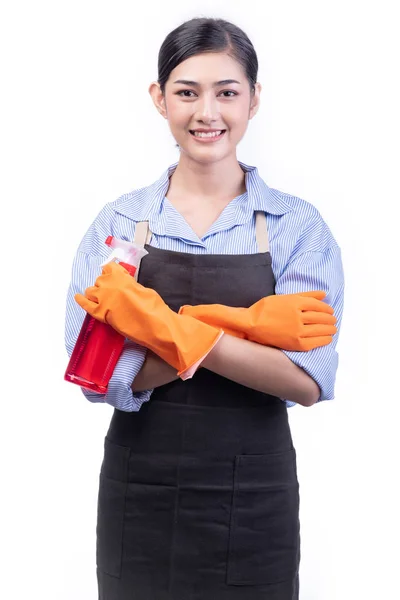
234, 317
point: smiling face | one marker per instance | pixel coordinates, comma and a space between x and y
208, 103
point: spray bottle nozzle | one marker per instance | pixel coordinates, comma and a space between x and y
124, 251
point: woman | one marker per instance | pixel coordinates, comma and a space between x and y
198, 494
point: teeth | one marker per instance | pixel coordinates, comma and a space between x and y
203, 134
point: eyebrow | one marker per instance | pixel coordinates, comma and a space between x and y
196, 84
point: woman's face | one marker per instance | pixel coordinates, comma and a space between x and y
207, 93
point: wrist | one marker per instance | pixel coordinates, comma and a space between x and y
154, 373
200, 363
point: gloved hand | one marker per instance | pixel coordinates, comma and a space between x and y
140, 314
298, 322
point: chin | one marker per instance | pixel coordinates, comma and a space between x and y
207, 155
207, 160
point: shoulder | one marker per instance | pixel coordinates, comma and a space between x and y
134, 204
300, 208
291, 215
118, 218
303, 223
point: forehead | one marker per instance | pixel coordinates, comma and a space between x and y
207, 68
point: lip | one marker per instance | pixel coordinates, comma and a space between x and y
204, 130
207, 140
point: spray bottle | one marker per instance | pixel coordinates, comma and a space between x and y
99, 346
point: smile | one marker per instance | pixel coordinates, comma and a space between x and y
211, 136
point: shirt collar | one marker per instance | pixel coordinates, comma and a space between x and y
259, 197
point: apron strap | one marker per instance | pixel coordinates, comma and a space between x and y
143, 234
262, 232
142, 237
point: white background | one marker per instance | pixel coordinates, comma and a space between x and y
77, 130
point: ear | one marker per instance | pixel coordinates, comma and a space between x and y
255, 101
158, 98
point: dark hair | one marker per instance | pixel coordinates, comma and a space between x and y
201, 35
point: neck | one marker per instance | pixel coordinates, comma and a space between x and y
208, 180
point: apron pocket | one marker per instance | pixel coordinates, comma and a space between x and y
111, 508
264, 529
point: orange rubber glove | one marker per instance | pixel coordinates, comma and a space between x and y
298, 322
140, 314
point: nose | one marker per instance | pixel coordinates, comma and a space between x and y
208, 110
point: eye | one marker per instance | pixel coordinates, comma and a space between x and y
191, 94
229, 92
185, 93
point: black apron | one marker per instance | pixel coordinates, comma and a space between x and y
198, 495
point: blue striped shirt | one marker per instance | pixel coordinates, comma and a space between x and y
305, 256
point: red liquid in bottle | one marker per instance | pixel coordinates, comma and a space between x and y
96, 352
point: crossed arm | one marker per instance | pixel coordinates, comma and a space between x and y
259, 367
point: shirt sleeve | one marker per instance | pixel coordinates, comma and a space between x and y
85, 269
309, 271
